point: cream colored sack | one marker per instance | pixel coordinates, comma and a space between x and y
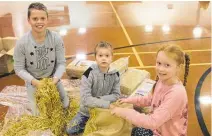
1, 44
131, 79
121, 64
9, 42
77, 67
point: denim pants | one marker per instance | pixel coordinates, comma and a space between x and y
138, 131
31, 97
77, 124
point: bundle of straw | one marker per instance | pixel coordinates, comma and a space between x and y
51, 113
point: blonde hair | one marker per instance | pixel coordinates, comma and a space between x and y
103, 44
176, 53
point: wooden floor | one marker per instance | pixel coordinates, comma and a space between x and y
123, 25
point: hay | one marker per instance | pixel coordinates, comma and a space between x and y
52, 115
1, 125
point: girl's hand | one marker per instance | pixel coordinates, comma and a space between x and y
115, 111
111, 106
121, 101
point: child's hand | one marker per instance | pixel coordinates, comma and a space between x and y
35, 82
55, 80
111, 106
115, 111
121, 101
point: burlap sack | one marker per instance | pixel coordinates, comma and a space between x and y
9, 42
121, 64
1, 44
145, 88
131, 79
77, 67
103, 123
3, 51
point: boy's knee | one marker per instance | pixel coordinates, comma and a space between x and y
73, 130
77, 124
73, 127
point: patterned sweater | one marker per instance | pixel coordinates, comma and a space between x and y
33, 60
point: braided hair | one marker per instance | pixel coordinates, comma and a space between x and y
179, 56
187, 63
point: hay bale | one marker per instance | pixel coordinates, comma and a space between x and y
3, 52
145, 88
1, 44
131, 79
121, 64
77, 67
9, 42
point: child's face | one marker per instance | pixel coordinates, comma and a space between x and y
104, 57
38, 20
166, 67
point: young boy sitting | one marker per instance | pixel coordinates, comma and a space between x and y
40, 54
100, 86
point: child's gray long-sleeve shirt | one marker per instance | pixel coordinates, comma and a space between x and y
33, 60
98, 89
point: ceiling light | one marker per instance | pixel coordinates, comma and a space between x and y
63, 32
81, 56
205, 99
197, 31
82, 30
166, 28
148, 28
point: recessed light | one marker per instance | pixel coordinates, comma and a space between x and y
82, 30
81, 56
197, 31
148, 28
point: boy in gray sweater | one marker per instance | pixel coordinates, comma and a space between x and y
40, 54
100, 86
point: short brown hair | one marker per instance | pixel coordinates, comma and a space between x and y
103, 44
38, 6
